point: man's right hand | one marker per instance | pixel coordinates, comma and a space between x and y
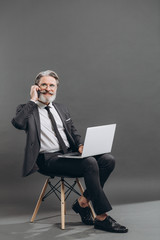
34, 92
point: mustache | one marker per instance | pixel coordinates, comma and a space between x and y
45, 91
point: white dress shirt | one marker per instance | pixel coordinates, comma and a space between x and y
49, 141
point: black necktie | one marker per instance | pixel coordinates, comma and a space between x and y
61, 142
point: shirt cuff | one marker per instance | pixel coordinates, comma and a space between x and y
32, 100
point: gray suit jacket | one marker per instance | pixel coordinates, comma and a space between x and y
27, 118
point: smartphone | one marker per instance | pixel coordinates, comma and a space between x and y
38, 92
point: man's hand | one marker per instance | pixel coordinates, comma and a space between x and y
34, 92
80, 149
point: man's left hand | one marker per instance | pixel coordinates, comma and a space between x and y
80, 149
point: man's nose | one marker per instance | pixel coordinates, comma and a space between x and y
48, 87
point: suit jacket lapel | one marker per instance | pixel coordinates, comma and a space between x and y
69, 136
62, 118
37, 121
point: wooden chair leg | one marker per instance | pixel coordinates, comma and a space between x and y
39, 201
62, 205
65, 208
82, 191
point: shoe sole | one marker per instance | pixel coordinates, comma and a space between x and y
101, 228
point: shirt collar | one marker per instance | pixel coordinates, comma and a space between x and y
41, 105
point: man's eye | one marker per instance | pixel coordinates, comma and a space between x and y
43, 84
52, 85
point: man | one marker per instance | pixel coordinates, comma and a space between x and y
50, 131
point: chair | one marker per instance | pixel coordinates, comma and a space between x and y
59, 190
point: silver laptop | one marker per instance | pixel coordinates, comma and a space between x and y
98, 140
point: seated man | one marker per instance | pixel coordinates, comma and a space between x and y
50, 131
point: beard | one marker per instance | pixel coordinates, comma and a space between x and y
47, 99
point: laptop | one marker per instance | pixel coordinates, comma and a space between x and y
98, 140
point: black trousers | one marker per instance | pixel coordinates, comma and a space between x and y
95, 171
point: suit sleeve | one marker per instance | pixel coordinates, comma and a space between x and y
20, 121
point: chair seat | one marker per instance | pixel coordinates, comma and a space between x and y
52, 175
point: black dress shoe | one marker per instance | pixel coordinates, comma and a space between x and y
85, 213
110, 225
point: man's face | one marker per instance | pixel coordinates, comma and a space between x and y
48, 89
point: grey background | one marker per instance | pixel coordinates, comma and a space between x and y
107, 55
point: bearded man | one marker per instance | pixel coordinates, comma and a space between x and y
50, 131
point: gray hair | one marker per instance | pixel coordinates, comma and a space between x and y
46, 73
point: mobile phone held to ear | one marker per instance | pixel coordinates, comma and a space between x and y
38, 92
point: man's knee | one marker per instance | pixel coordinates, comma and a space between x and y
90, 164
112, 161
109, 161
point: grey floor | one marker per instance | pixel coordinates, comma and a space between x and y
142, 219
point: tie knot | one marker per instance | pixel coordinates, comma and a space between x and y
47, 108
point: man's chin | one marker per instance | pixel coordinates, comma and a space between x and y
47, 99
